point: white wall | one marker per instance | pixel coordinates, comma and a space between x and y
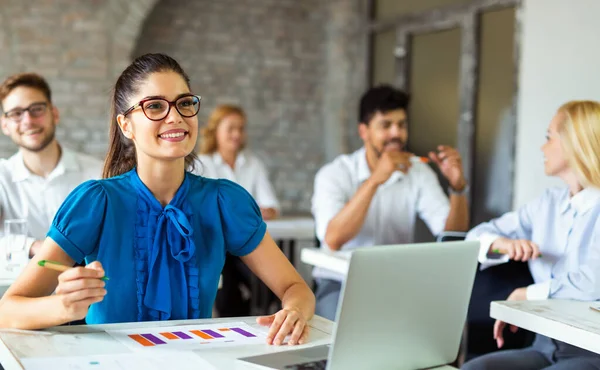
560, 61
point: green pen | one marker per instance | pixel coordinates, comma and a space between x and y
53, 265
498, 251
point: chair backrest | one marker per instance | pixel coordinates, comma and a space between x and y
451, 236
491, 284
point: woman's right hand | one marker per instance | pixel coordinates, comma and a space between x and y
78, 288
516, 249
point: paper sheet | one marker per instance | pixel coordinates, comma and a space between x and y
189, 337
57, 344
124, 361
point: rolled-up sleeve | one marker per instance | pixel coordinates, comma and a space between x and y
512, 225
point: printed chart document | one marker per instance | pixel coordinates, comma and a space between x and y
189, 337
122, 361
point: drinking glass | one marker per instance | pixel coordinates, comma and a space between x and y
15, 234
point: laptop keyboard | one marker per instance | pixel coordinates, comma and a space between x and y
312, 365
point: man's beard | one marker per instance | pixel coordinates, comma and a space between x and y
41, 146
380, 152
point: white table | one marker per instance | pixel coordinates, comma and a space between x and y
340, 261
320, 257
572, 322
92, 340
292, 227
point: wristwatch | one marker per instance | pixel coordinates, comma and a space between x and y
464, 190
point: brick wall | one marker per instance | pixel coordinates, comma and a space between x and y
296, 66
73, 44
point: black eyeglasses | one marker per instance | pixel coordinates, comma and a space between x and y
157, 109
34, 109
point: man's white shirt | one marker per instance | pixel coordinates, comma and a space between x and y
24, 195
392, 214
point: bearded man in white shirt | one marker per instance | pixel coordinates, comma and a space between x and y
373, 196
35, 181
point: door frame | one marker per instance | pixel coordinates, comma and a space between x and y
466, 17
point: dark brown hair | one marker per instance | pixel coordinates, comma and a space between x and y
31, 80
382, 98
121, 155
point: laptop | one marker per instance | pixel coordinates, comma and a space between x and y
401, 307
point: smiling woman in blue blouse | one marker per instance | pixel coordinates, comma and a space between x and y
558, 234
159, 232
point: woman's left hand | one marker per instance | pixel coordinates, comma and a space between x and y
519, 294
285, 322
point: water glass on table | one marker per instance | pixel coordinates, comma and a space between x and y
15, 238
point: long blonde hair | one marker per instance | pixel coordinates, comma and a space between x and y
208, 134
580, 134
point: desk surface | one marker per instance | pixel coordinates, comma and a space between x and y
334, 261
572, 322
92, 340
289, 227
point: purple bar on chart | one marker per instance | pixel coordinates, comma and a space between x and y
153, 339
182, 335
243, 332
213, 333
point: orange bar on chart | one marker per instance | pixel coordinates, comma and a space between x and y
224, 329
201, 334
169, 335
141, 340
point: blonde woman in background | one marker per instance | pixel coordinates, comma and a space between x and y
222, 155
558, 235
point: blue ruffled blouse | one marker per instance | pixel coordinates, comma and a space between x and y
163, 263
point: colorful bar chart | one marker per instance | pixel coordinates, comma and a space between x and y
169, 335
213, 333
201, 334
189, 336
243, 332
182, 335
141, 340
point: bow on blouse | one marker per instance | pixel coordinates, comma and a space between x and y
172, 235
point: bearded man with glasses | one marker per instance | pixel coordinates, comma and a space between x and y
36, 180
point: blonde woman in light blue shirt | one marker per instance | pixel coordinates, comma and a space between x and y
557, 234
